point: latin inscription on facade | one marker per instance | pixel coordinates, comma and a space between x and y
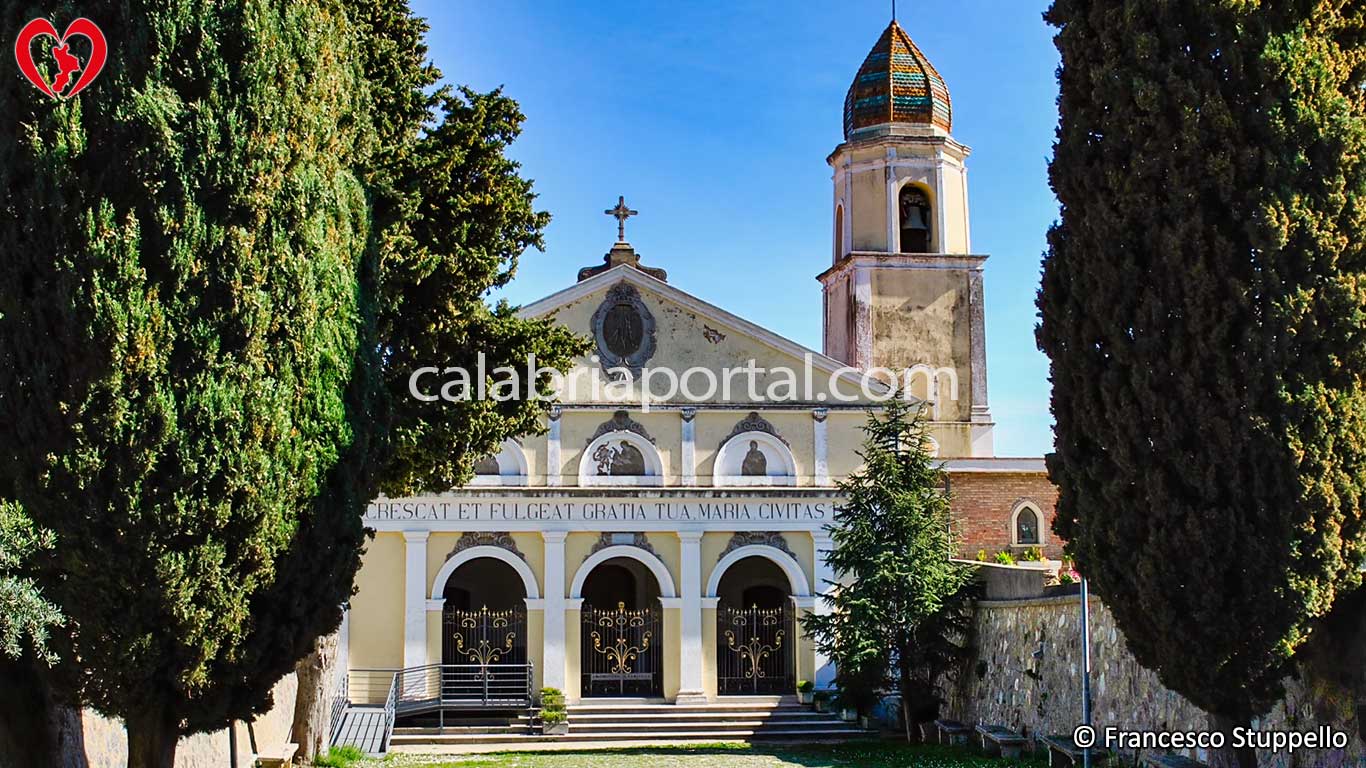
531, 511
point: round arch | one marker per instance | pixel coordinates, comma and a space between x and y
1020, 508
512, 466
497, 553
923, 186
796, 578
730, 457
654, 464
649, 560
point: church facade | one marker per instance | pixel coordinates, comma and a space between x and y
673, 549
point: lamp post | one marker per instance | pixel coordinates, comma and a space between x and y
1085, 666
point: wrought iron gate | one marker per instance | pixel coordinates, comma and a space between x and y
622, 653
484, 657
754, 650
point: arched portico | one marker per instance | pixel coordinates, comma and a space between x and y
648, 559
796, 577
497, 553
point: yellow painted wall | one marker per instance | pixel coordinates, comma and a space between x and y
376, 627
709, 652
573, 640
535, 646
673, 641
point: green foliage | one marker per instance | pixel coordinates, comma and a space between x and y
981, 556
900, 615
23, 610
1031, 555
805, 686
1202, 308
1004, 557
553, 710
343, 756
222, 263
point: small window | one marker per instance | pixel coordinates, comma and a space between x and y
1026, 526
839, 232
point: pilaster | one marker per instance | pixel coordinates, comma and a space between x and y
691, 689
553, 656
415, 598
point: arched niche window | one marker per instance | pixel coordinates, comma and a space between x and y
1026, 525
507, 467
621, 457
754, 458
839, 232
916, 217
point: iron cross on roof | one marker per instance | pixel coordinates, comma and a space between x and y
621, 213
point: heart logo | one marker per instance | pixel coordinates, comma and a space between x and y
67, 63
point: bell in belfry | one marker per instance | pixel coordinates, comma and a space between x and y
915, 221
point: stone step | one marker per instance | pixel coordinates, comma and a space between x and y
679, 708
755, 726
704, 715
720, 735
461, 729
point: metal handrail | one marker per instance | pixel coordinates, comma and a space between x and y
390, 711
340, 700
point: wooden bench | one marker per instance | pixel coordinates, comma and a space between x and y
998, 739
952, 732
278, 757
1063, 747
1168, 760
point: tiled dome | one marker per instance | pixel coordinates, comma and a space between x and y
897, 84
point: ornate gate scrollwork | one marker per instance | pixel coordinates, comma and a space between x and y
478, 651
621, 654
754, 650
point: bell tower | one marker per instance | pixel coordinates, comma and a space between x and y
904, 291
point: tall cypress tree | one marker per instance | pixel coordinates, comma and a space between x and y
1202, 308
221, 262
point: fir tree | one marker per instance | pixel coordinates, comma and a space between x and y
1202, 309
24, 612
899, 612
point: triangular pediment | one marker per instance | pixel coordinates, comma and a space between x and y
651, 327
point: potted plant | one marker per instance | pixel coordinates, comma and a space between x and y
554, 716
844, 704
822, 701
806, 691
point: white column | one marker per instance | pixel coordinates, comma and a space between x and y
415, 598
689, 447
553, 465
553, 676
825, 668
822, 468
690, 690
941, 207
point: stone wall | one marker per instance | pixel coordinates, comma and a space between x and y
103, 743
1028, 677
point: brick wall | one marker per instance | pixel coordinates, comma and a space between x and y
984, 501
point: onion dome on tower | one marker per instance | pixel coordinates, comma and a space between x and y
897, 90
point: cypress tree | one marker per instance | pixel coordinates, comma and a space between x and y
222, 261
1202, 308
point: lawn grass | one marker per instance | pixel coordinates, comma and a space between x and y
870, 754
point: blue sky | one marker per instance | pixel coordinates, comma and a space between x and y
714, 119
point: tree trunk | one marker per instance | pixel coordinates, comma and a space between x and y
1230, 757
152, 736
312, 706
